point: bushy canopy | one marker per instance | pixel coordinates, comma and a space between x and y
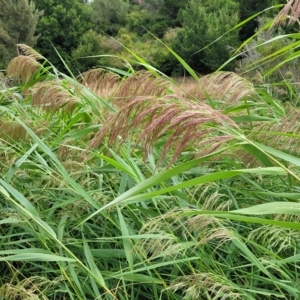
62, 25
204, 22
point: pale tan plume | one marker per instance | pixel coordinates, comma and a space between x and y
28, 51
226, 87
101, 82
289, 14
52, 96
22, 67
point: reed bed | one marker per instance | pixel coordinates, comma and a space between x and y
136, 187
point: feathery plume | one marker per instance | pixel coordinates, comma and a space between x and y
281, 134
227, 87
197, 286
100, 82
276, 239
141, 83
52, 96
22, 67
28, 51
290, 11
12, 129
183, 123
29, 288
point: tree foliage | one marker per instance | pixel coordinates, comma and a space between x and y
63, 24
203, 23
108, 16
249, 8
18, 19
90, 45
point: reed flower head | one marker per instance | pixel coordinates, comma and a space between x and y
226, 87
22, 67
198, 286
290, 11
100, 82
141, 83
51, 95
181, 122
30, 52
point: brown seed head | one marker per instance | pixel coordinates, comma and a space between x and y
227, 87
100, 82
183, 123
22, 67
290, 11
51, 95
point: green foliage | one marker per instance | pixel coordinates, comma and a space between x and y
203, 22
62, 26
168, 9
85, 223
108, 16
18, 19
90, 45
250, 7
269, 49
133, 187
136, 21
156, 16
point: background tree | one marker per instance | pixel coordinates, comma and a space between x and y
108, 16
18, 19
247, 9
90, 45
204, 22
161, 15
63, 24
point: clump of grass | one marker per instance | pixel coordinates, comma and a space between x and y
117, 227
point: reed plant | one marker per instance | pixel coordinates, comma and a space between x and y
130, 187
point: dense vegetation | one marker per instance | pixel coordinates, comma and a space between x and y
128, 184
79, 29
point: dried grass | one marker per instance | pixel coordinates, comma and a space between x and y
227, 87
22, 67
183, 123
141, 83
101, 82
30, 52
290, 12
52, 96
